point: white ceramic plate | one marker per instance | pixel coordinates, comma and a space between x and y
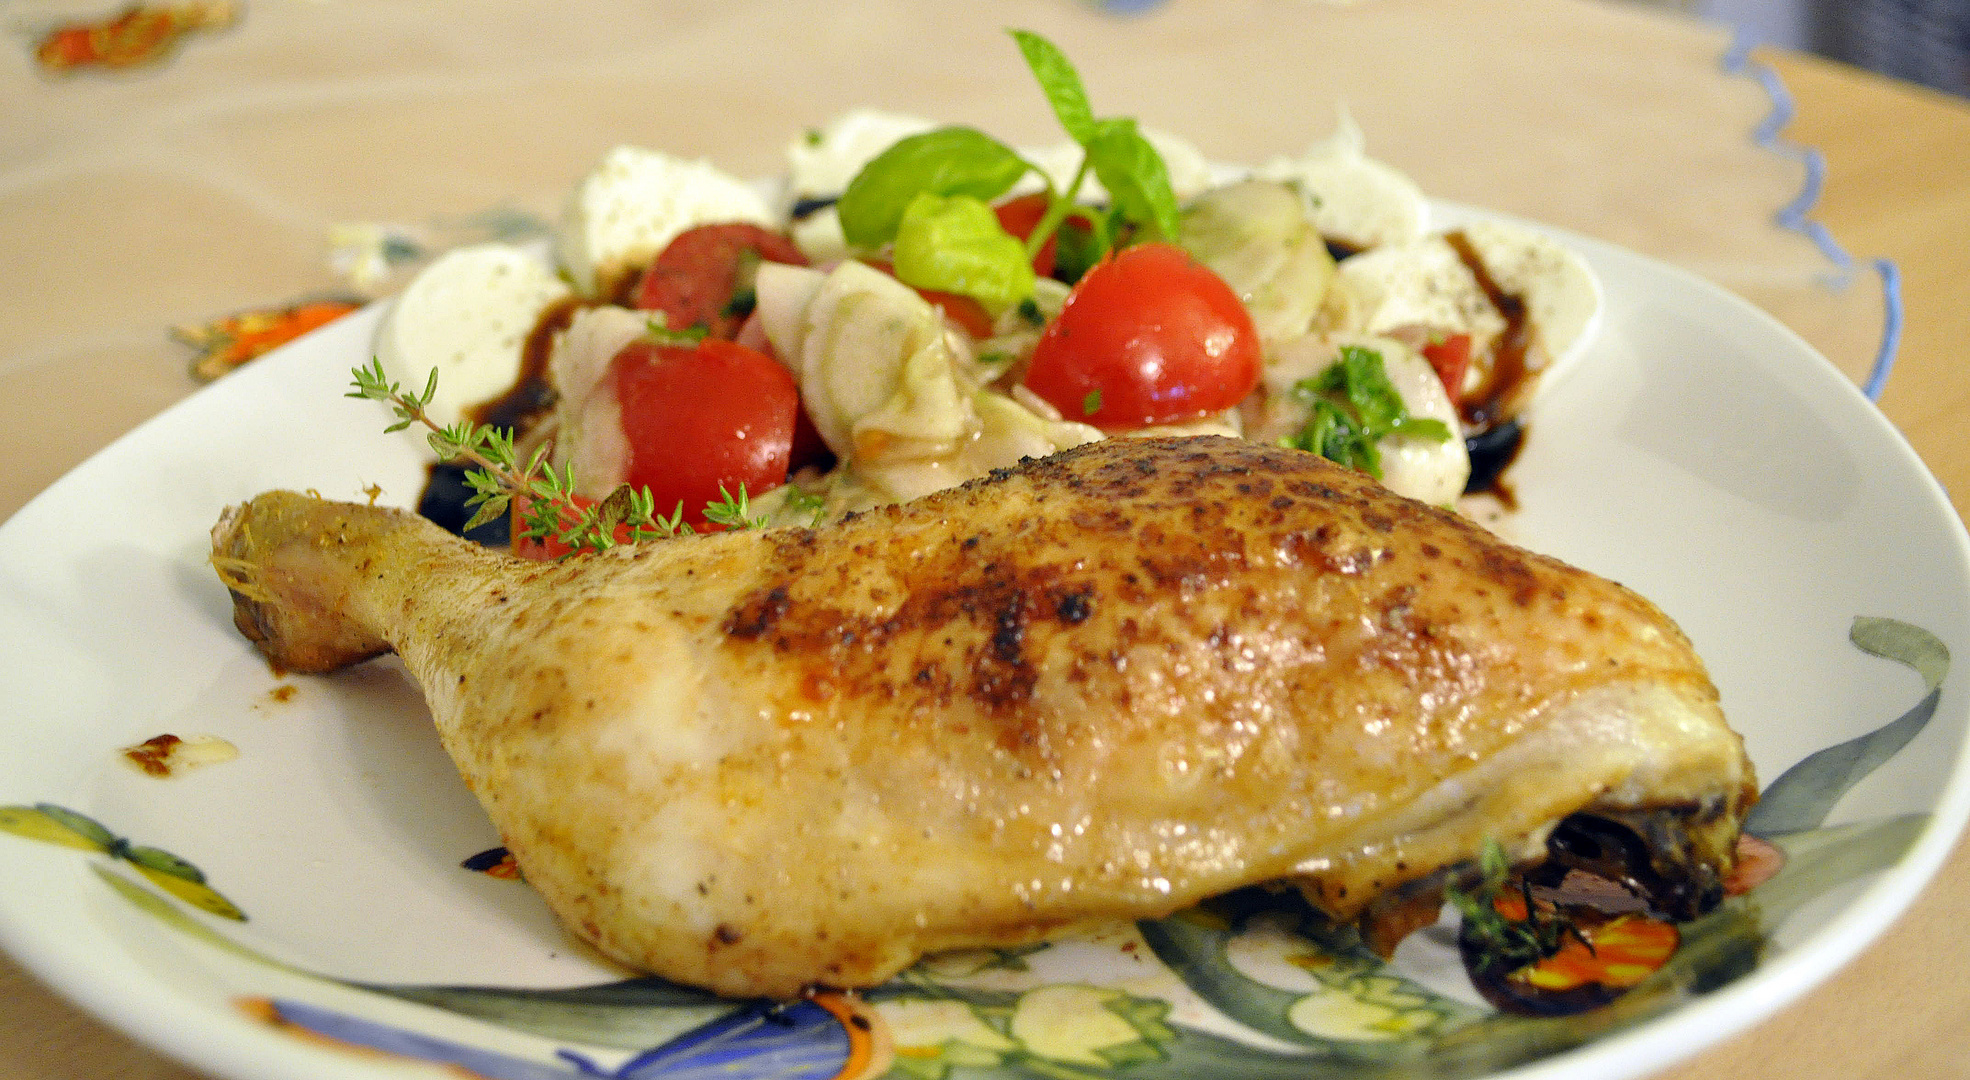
1699, 453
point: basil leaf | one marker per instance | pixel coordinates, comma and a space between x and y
1133, 172
1354, 407
955, 244
1361, 378
1334, 435
1419, 428
1061, 84
947, 161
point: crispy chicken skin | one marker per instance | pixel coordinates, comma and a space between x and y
1102, 685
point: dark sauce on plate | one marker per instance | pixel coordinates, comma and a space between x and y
519, 410
1490, 414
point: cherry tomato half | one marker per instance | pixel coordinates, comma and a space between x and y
698, 418
703, 277
1019, 217
1451, 358
1149, 336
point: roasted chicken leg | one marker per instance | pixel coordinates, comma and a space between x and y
1102, 685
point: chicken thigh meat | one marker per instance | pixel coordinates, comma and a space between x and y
1102, 685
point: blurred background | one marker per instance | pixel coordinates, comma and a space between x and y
1923, 41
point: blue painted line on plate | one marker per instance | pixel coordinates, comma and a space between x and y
1891, 327
1796, 215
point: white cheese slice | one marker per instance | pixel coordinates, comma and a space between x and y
1419, 284
1357, 200
590, 438
820, 163
1424, 284
1431, 470
622, 214
467, 315
1562, 293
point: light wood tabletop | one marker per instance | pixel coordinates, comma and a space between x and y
132, 202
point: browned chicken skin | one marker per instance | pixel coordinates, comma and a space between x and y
1103, 685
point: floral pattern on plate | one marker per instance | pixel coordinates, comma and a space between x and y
1250, 985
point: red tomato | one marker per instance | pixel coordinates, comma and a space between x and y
1149, 336
1451, 358
963, 310
1019, 217
696, 419
703, 279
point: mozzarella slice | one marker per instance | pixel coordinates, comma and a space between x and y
1421, 284
1562, 293
467, 315
589, 438
622, 214
820, 163
1431, 470
1425, 285
1358, 200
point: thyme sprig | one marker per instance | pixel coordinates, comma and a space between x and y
811, 503
550, 511
1503, 943
733, 511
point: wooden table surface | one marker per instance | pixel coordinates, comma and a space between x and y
1897, 186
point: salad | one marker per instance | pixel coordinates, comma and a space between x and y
915, 305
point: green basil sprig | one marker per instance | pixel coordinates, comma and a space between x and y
947, 161
958, 166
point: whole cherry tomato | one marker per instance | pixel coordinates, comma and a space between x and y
1149, 336
704, 417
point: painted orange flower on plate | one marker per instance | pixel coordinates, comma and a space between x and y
137, 35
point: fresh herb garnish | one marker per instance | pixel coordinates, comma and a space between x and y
806, 502
1503, 943
963, 170
1091, 404
1354, 407
949, 161
658, 331
733, 511
955, 244
550, 509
